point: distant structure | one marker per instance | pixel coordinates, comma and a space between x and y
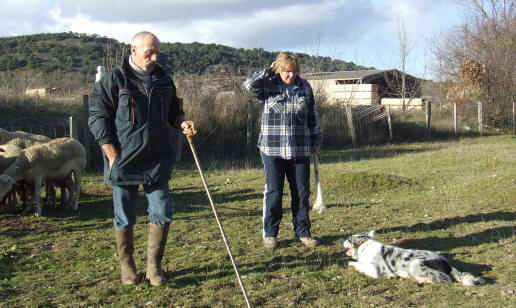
41, 92
101, 70
367, 87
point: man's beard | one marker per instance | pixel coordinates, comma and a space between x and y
147, 69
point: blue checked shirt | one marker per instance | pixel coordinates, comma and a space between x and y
289, 124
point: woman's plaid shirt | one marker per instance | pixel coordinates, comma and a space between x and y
290, 123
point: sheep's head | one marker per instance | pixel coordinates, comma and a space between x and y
4, 136
6, 183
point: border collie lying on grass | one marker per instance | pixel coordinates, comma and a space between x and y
376, 260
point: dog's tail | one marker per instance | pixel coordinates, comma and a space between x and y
466, 279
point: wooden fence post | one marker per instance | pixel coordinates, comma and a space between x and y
74, 130
349, 115
389, 122
480, 121
455, 120
250, 121
428, 118
86, 130
180, 139
514, 116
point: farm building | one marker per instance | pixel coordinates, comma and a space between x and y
40, 91
366, 87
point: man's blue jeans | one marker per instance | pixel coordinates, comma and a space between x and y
159, 204
297, 172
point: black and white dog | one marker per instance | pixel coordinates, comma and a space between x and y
376, 260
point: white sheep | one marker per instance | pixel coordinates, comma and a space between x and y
26, 138
8, 154
67, 187
55, 160
26, 142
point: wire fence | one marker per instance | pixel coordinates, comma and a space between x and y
32, 125
343, 126
370, 123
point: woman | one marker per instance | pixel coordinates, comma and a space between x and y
290, 130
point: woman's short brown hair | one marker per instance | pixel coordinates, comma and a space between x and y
286, 61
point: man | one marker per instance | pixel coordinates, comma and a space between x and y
289, 131
130, 107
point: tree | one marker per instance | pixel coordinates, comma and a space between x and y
398, 83
32, 62
486, 40
8, 62
405, 49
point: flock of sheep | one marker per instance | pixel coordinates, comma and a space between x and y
29, 161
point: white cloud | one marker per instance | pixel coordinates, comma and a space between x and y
359, 31
24, 16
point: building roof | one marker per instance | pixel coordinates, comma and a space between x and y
362, 74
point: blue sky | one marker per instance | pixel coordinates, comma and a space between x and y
362, 31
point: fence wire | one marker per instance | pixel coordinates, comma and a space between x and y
57, 129
369, 122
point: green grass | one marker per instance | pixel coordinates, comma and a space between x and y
457, 198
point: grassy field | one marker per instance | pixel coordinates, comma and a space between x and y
457, 198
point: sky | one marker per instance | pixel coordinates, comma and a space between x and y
361, 31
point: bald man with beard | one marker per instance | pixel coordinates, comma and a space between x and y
130, 107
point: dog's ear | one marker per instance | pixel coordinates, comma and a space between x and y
371, 233
358, 241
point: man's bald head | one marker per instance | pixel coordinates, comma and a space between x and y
142, 36
145, 50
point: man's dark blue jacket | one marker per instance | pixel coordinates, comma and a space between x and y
133, 118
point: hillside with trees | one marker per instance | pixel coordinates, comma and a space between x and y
75, 52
